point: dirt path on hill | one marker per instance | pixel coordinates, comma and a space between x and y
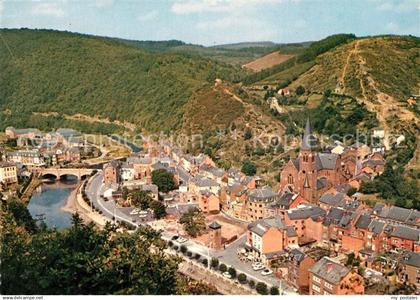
376, 101
351, 53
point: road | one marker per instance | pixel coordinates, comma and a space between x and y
95, 189
227, 256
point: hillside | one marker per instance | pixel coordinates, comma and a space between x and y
50, 71
381, 72
267, 61
233, 129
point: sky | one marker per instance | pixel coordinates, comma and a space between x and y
212, 22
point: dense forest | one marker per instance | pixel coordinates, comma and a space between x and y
50, 71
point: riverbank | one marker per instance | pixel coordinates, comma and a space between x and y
75, 204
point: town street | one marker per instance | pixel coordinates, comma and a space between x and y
228, 256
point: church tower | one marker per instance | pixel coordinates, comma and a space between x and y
307, 164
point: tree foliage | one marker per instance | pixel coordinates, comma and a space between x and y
249, 168
164, 180
194, 222
97, 76
143, 200
83, 260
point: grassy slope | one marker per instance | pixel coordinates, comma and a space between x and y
70, 73
392, 62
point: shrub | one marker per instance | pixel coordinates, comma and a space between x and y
214, 263
251, 284
183, 249
232, 272
222, 268
197, 256
176, 248
189, 253
205, 262
170, 243
261, 288
274, 291
242, 278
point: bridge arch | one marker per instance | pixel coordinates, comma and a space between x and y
49, 176
62, 173
70, 177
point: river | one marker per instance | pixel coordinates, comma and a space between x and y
48, 199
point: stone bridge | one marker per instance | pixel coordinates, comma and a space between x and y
58, 172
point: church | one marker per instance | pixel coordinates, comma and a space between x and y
312, 173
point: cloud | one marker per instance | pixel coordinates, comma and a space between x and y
149, 16
183, 7
398, 6
104, 3
48, 9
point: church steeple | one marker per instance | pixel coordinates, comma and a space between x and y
308, 139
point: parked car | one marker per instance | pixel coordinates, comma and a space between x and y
258, 267
182, 240
227, 275
266, 272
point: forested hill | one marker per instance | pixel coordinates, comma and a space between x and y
50, 71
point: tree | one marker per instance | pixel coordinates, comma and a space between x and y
261, 288
71, 261
327, 93
125, 193
351, 191
21, 215
193, 221
164, 180
159, 209
232, 272
274, 291
214, 263
140, 199
242, 278
222, 268
251, 284
247, 134
300, 90
248, 168
205, 262
183, 249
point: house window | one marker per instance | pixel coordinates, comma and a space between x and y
316, 279
326, 293
316, 288
290, 179
328, 286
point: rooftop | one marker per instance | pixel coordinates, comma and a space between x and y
329, 270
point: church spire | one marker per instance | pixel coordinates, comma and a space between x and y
308, 139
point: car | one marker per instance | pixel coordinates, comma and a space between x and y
266, 272
227, 275
182, 240
257, 267
257, 263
